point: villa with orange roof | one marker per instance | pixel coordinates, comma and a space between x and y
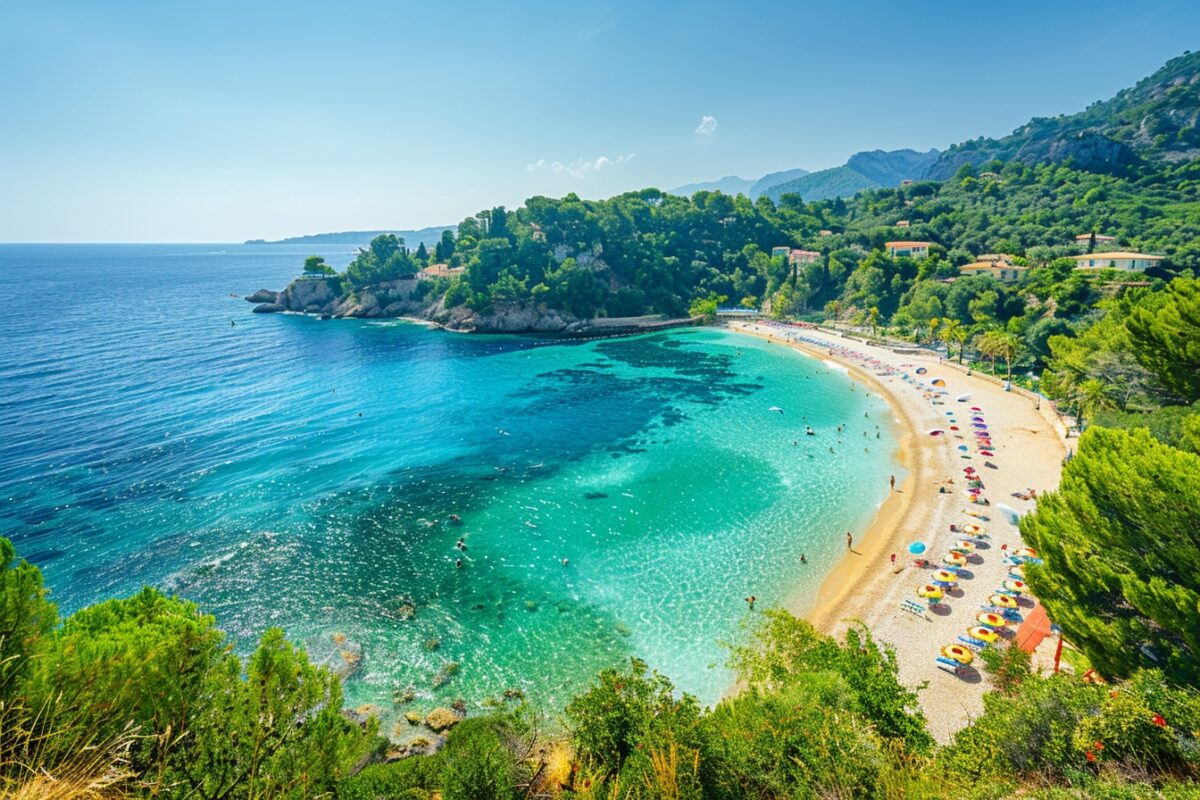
804, 257
907, 249
995, 265
441, 271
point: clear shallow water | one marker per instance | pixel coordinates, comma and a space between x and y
284, 471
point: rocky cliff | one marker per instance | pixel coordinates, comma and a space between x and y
405, 298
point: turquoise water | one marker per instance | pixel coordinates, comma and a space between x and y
284, 471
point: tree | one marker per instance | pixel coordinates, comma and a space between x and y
444, 249
1122, 566
951, 329
315, 265
422, 255
706, 307
998, 344
1166, 339
1090, 397
873, 318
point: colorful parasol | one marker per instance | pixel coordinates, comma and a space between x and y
982, 634
954, 559
958, 653
1003, 600
991, 620
930, 592
1016, 586
944, 576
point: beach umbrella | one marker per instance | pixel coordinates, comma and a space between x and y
944, 576
921, 370
929, 592
958, 653
953, 427
963, 544
1017, 570
937, 382
990, 620
963, 448
982, 634
1027, 552
1013, 585
987, 453
1003, 600
976, 408
970, 512
916, 548
954, 559
972, 529
936, 432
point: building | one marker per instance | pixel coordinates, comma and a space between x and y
996, 266
1084, 238
1119, 259
538, 234
907, 249
902, 223
781, 251
441, 271
804, 257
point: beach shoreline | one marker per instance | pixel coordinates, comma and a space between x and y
864, 587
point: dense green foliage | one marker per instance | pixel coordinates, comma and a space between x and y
1122, 577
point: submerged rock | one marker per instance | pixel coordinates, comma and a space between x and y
441, 718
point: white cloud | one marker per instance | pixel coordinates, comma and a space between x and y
707, 126
580, 166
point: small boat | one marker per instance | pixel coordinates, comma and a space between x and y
775, 408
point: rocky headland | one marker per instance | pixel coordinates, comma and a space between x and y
324, 297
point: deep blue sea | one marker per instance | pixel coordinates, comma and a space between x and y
286, 471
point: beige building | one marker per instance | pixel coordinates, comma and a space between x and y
1119, 259
804, 257
908, 249
1083, 238
997, 267
441, 271
781, 251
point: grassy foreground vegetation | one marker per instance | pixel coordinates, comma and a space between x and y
142, 697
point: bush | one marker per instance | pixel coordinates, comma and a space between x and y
479, 764
628, 713
803, 741
410, 779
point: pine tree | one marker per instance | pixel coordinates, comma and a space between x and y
1121, 543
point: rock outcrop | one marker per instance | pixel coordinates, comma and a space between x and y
404, 298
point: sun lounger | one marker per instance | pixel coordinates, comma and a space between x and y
913, 607
950, 665
973, 643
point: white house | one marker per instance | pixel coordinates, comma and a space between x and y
1133, 262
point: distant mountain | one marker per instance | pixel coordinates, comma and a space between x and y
824, 184
867, 170
428, 236
888, 168
730, 184
1157, 119
774, 179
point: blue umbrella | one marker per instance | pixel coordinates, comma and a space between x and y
916, 548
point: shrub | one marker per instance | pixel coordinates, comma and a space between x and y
411, 779
479, 765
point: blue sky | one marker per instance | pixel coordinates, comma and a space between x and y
220, 121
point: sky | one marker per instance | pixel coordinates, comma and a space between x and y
178, 121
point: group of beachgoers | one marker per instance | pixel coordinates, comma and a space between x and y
996, 617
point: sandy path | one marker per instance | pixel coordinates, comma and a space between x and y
1029, 450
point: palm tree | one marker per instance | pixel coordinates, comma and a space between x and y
991, 344
1091, 397
933, 326
961, 334
873, 319
950, 332
1008, 347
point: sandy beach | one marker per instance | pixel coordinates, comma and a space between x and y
1028, 446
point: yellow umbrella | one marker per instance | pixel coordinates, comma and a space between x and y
991, 620
929, 592
1016, 587
964, 545
982, 634
1026, 552
958, 653
972, 528
945, 576
1003, 600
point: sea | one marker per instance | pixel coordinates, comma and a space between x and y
437, 516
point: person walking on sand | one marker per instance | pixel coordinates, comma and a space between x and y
893, 559
849, 541
893, 481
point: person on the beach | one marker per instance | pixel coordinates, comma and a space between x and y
849, 541
803, 559
893, 482
893, 559
750, 601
